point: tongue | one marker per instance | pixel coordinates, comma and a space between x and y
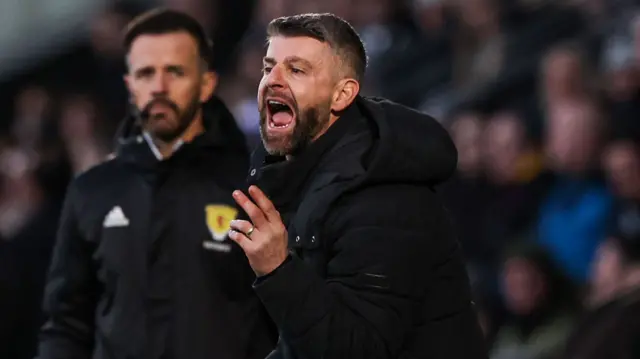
282, 118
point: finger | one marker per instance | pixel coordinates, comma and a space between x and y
264, 203
254, 212
242, 226
245, 243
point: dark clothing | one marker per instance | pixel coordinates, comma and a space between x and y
24, 260
136, 273
467, 198
610, 331
375, 270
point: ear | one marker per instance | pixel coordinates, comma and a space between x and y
345, 93
209, 84
127, 82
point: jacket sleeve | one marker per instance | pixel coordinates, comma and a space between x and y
70, 291
382, 263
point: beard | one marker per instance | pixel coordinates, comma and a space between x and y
308, 123
169, 128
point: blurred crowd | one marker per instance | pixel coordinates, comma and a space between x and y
541, 97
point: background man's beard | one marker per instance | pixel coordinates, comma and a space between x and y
309, 123
183, 118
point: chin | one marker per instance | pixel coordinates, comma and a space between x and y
278, 146
164, 134
278, 142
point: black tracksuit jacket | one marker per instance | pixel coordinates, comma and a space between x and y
376, 271
142, 268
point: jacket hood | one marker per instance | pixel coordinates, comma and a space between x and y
412, 147
221, 128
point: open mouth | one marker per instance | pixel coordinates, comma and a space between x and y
280, 114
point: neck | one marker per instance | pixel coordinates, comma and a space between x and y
332, 119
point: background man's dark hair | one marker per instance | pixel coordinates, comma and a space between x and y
330, 29
164, 21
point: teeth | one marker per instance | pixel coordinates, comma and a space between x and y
272, 102
272, 125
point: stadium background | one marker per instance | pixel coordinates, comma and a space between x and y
541, 97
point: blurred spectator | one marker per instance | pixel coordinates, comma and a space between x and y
514, 169
622, 85
541, 304
621, 161
21, 195
32, 111
509, 154
375, 22
575, 214
466, 193
109, 67
635, 32
466, 130
241, 92
428, 50
78, 122
564, 76
480, 42
29, 210
611, 326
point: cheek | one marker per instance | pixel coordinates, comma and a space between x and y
140, 94
261, 88
183, 93
309, 95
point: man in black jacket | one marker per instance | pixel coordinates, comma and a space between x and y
355, 256
142, 267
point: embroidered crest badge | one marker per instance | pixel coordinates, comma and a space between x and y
219, 219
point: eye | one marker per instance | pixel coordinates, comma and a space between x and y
144, 73
266, 69
176, 71
296, 70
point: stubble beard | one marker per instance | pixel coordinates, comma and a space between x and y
309, 122
184, 118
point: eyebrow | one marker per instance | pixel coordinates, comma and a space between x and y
150, 69
288, 59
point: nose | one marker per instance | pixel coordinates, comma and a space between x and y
275, 78
159, 84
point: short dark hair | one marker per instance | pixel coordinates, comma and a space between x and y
327, 28
163, 21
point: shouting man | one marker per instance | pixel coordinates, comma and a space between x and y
355, 256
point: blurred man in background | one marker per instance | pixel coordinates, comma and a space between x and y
354, 253
540, 302
576, 212
611, 326
142, 267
